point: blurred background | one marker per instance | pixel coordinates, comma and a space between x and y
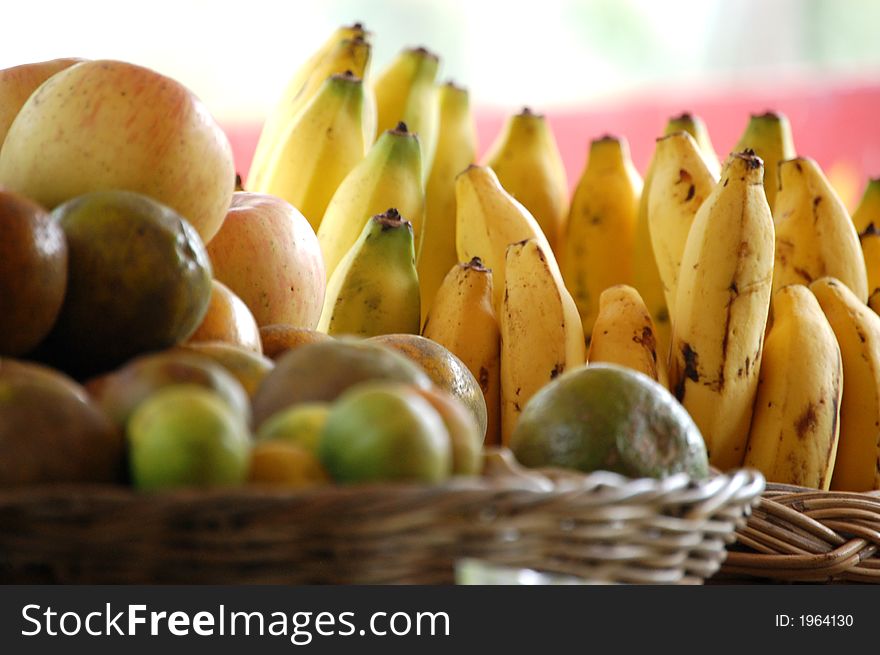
593, 66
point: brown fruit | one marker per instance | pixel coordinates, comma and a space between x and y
464, 433
33, 273
322, 371
246, 366
445, 370
51, 432
121, 392
279, 338
229, 320
139, 280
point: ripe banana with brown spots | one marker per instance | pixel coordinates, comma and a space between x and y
794, 432
869, 238
815, 236
463, 319
624, 333
721, 307
857, 329
541, 332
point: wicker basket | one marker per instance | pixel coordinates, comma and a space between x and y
803, 535
600, 527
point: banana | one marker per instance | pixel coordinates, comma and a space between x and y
597, 250
319, 148
857, 329
624, 333
487, 220
375, 288
463, 319
794, 433
868, 209
721, 307
869, 238
769, 135
526, 159
456, 147
815, 236
389, 176
681, 182
541, 332
696, 127
646, 276
405, 92
874, 301
347, 49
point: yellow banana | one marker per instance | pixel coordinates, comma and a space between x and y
857, 329
405, 92
319, 149
681, 182
347, 49
456, 146
868, 210
375, 289
624, 333
541, 333
487, 220
389, 176
769, 135
526, 159
794, 432
870, 241
721, 307
874, 301
646, 276
597, 250
696, 127
815, 236
463, 319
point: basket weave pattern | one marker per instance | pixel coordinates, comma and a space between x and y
600, 526
804, 535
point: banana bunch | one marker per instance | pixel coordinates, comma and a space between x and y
681, 182
526, 159
319, 148
456, 148
463, 319
815, 236
794, 432
405, 92
541, 332
389, 176
857, 330
624, 333
646, 275
721, 306
375, 289
347, 50
487, 220
769, 135
597, 250
868, 209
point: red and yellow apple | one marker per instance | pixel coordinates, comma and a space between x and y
19, 82
268, 254
101, 125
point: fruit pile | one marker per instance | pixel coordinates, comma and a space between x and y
377, 306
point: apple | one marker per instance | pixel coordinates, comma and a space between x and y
268, 254
19, 82
101, 125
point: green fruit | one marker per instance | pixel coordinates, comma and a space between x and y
301, 425
139, 279
446, 371
611, 418
321, 372
384, 432
185, 435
